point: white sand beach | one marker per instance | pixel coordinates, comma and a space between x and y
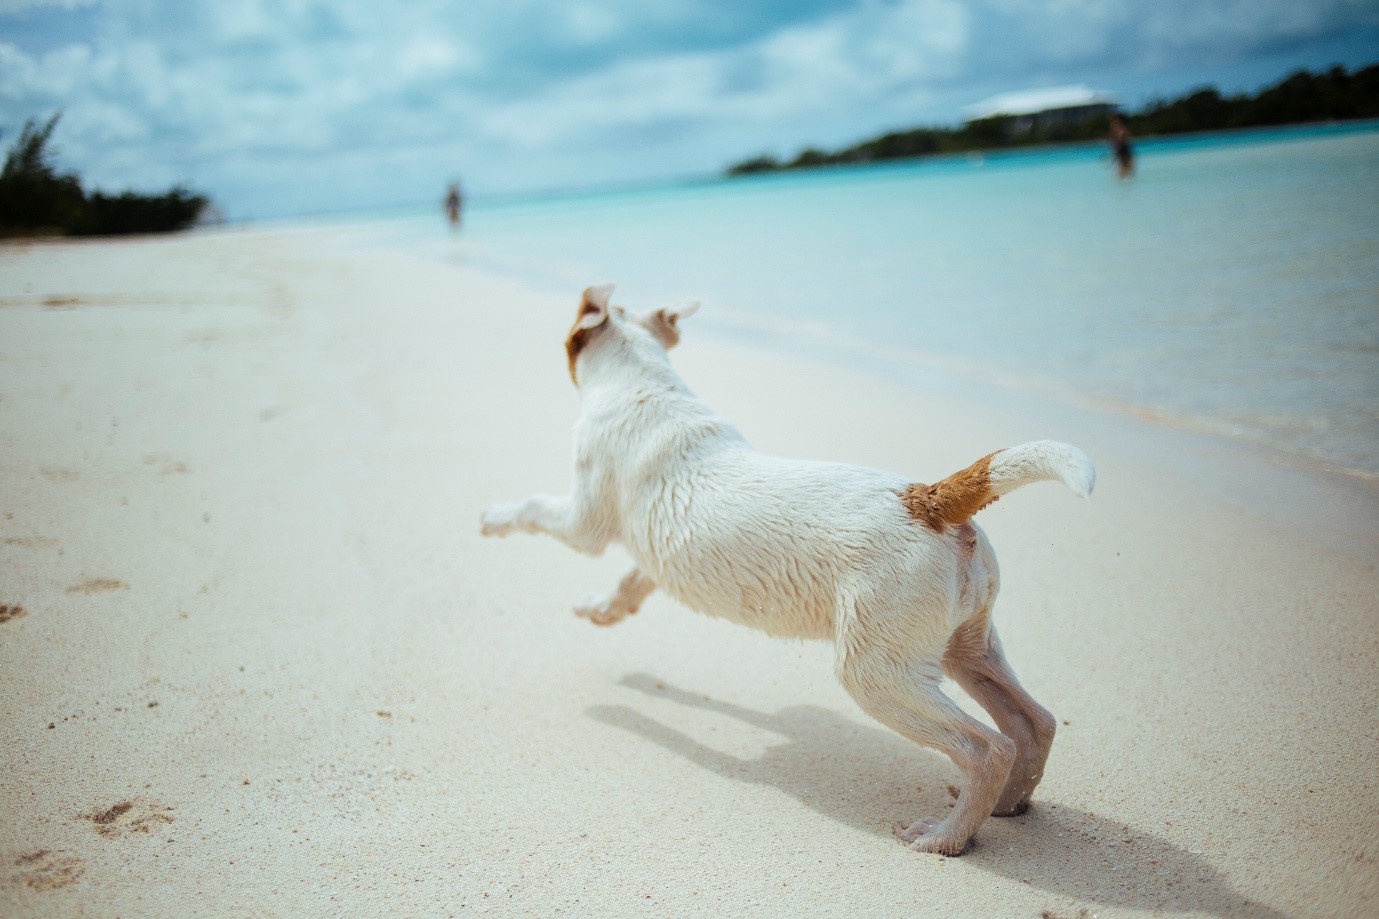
257, 661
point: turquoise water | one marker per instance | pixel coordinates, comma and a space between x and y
1231, 286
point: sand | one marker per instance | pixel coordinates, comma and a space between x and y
256, 660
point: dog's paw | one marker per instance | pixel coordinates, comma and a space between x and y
930, 835
918, 829
498, 520
1010, 810
603, 611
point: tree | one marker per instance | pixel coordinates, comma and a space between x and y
1298, 98
33, 195
36, 199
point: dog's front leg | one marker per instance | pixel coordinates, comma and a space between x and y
569, 520
621, 603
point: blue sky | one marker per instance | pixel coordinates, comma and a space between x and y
300, 106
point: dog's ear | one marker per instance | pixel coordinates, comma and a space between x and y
664, 322
593, 307
593, 312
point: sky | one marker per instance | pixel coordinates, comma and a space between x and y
311, 106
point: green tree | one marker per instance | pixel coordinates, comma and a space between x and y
36, 199
34, 196
1300, 97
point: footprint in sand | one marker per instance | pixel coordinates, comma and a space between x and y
168, 464
29, 542
96, 585
44, 869
132, 816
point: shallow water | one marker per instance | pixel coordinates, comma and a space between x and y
1232, 285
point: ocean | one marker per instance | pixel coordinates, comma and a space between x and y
1231, 286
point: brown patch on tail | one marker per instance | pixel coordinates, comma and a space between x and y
953, 500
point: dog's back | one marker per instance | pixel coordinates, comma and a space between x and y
761, 540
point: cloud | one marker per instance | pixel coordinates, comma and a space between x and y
1141, 35
838, 61
383, 101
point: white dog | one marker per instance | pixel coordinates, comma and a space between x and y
893, 572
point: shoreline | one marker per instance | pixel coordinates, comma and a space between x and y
1158, 142
239, 494
1329, 505
901, 365
1279, 357
926, 370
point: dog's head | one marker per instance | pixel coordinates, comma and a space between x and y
598, 322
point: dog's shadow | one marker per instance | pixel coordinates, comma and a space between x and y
1061, 849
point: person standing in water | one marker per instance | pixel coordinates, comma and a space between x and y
1119, 141
454, 201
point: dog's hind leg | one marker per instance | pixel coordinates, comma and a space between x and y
621, 603
975, 661
909, 701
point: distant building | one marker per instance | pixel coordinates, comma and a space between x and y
1024, 111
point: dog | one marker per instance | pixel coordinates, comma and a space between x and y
893, 572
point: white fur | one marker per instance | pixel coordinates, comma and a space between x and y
1042, 460
792, 547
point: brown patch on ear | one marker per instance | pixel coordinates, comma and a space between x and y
585, 324
953, 500
574, 343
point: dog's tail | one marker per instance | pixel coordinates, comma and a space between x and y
955, 499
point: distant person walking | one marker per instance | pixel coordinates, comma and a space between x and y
1121, 152
454, 201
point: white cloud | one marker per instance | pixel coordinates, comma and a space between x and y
1243, 23
844, 60
51, 76
588, 23
227, 93
1148, 32
433, 55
